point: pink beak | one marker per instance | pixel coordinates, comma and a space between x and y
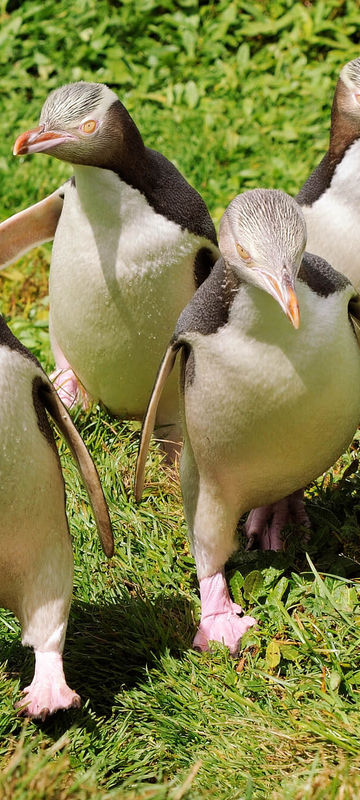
38, 140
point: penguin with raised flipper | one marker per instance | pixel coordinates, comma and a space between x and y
259, 392
36, 563
132, 241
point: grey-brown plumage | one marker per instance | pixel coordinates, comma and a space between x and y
330, 199
132, 242
330, 196
259, 392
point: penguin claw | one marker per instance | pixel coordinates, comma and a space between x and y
39, 702
227, 628
69, 389
266, 523
250, 542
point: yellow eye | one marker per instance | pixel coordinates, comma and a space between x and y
89, 126
357, 98
243, 253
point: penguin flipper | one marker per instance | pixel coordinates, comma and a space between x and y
150, 416
354, 312
30, 227
85, 463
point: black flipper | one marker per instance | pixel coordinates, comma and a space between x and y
166, 367
85, 463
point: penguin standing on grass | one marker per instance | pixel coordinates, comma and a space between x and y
132, 241
259, 391
36, 564
330, 200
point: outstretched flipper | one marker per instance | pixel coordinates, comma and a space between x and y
85, 463
31, 227
166, 367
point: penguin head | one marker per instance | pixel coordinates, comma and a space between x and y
347, 94
83, 123
262, 238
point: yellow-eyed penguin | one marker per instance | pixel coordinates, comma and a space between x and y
36, 564
259, 392
132, 241
330, 200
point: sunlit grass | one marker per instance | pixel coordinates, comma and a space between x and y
237, 95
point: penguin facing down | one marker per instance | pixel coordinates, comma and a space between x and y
36, 564
259, 392
132, 241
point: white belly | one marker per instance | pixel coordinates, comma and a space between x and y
278, 406
120, 275
333, 221
31, 486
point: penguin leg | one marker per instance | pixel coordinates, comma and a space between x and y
212, 526
43, 610
221, 619
48, 691
67, 385
265, 524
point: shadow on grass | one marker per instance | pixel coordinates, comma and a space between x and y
109, 649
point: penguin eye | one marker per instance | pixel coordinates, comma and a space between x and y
243, 253
89, 126
357, 98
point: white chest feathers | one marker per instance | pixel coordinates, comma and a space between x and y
120, 275
270, 408
333, 221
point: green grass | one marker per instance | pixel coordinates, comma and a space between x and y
237, 94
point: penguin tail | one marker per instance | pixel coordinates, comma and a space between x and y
148, 424
86, 466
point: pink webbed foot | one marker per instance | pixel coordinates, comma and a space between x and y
220, 620
48, 692
69, 389
265, 524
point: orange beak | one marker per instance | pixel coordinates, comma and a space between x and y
292, 308
285, 295
38, 140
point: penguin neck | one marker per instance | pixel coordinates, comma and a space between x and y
258, 316
345, 182
127, 154
120, 149
344, 129
342, 156
102, 195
